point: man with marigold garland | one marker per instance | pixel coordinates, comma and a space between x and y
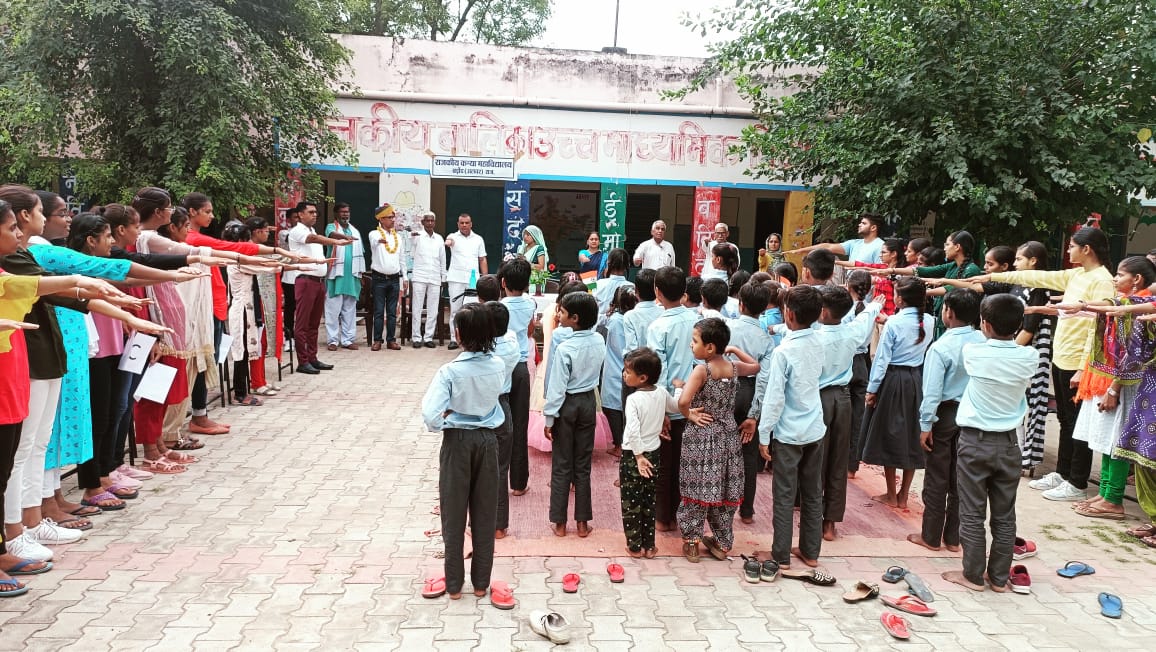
389, 277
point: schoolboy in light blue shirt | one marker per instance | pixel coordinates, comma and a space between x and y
515, 277
506, 350
840, 340
462, 402
944, 380
669, 336
792, 410
638, 320
569, 411
617, 264
988, 458
748, 335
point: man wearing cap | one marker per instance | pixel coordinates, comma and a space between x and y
467, 258
389, 277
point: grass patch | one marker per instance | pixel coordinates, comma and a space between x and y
1054, 532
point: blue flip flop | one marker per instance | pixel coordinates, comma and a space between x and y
18, 569
1111, 605
918, 588
894, 574
16, 588
1075, 569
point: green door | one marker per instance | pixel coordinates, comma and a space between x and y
484, 204
362, 199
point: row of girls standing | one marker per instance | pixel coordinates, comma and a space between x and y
77, 407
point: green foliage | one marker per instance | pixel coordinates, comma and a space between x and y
1008, 117
498, 22
219, 96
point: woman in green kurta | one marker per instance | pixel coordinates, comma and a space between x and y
959, 248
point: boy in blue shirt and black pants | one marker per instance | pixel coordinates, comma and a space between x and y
988, 463
515, 277
944, 379
570, 408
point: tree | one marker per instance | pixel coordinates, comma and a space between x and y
217, 96
498, 22
1008, 117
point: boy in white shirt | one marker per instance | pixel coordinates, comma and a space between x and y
645, 410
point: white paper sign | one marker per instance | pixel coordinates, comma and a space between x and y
472, 167
136, 353
226, 346
154, 385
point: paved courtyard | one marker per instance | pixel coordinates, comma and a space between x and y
304, 530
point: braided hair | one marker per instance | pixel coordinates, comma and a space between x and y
858, 282
913, 292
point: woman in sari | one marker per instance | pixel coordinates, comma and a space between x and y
534, 249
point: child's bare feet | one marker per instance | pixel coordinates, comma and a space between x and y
455, 596
956, 577
559, 529
636, 555
951, 548
650, 553
747, 519
829, 533
851, 475
887, 499
584, 529
499, 534
479, 593
917, 539
799, 553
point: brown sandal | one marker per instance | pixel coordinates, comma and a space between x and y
1143, 531
690, 551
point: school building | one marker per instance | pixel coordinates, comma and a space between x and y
571, 141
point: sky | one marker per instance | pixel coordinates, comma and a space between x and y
644, 26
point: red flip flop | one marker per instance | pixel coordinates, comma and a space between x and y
895, 625
910, 604
501, 596
617, 573
570, 582
435, 587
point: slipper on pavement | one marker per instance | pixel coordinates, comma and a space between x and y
1075, 569
1095, 512
894, 574
910, 604
435, 587
617, 573
895, 625
817, 576
18, 569
570, 582
918, 588
862, 591
10, 588
501, 596
1111, 605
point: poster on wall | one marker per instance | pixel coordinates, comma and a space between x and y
566, 217
706, 215
286, 195
516, 203
612, 216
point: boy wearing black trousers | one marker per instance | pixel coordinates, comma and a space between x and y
515, 277
944, 379
462, 402
570, 408
748, 335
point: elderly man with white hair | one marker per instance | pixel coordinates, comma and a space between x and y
655, 253
722, 234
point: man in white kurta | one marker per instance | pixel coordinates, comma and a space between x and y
343, 284
426, 278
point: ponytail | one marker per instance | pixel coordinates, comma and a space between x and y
913, 292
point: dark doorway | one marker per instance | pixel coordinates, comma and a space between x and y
362, 199
484, 204
768, 220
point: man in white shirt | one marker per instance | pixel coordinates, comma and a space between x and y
389, 277
867, 248
288, 302
343, 284
722, 233
467, 257
309, 286
655, 253
426, 278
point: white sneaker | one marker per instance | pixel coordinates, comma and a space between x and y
1066, 492
1049, 481
124, 481
48, 533
133, 472
25, 548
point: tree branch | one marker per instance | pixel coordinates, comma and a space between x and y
462, 17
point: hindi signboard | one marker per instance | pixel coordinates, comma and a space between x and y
707, 204
517, 213
612, 216
472, 167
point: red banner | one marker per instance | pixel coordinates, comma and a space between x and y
706, 215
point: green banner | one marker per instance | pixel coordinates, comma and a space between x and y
612, 216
